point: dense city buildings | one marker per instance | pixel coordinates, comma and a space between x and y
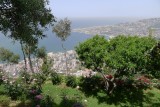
61, 62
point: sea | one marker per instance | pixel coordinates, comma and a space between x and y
53, 43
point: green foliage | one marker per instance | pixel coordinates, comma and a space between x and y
4, 101
15, 59
14, 89
25, 19
92, 52
41, 53
154, 56
2, 90
8, 56
63, 29
126, 55
71, 81
39, 79
56, 78
91, 85
47, 101
46, 67
122, 97
156, 83
25, 76
5, 54
71, 101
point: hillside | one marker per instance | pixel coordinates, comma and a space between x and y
141, 28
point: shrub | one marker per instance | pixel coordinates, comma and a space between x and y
39, 79
47, 101
156, 83
16, 88
2, 90
4, 101
26, 77
56, 78
71, 81
27, 103
35, 96
142, 82
78, 105
91, 85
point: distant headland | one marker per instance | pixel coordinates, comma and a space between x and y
141, 28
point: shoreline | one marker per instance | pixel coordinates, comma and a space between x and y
139, 28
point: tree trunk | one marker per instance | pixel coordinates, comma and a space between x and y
24, 56
30, 61
65, 58
109, 84
38, 66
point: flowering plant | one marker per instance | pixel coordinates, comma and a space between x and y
38, 97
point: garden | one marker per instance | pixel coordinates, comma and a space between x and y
127, 76
126, 67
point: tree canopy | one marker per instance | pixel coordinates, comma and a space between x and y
92, 52
63, 29
154, 65
125, 55
129, 54
8, 56
24, 19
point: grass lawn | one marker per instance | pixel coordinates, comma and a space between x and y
150, 98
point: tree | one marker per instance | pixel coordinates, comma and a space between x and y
123, 55
40, 53
24, 20
92, 54
154, 63
29, 49
15, 59
63, 30
8, 56
5, 55
128, 54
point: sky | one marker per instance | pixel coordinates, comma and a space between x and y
105, 8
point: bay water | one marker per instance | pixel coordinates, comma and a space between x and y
53, 43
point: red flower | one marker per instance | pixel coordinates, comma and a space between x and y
119, 82
109, 76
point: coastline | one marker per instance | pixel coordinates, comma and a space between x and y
139, 28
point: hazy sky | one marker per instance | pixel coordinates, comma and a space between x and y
105, 8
